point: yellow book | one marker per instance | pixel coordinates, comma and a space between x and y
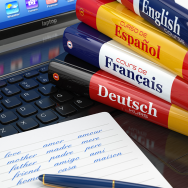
116, 21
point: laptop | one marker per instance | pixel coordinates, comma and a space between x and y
30, 37
31, 21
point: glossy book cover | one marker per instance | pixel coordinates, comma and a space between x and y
87, 80
124, 26
170, 16
101, 51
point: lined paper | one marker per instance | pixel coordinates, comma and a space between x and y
93, 146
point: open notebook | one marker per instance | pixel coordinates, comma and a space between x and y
93, 146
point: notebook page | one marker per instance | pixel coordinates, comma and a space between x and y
93, 146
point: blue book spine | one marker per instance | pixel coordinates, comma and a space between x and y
170, 16
84, 42
90, 45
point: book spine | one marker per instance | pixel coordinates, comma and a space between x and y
83, 46
93, 47
167, 15
112, 91
117, 22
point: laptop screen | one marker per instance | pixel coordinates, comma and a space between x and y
19, 12
21, 20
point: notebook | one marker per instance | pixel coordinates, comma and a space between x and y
92, 146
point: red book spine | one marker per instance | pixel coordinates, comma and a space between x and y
88, 14
107, 89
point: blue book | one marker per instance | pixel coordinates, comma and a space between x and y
170, 16
101, 51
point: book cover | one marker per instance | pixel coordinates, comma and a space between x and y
78, 76
170, 16
124, 26
101, 51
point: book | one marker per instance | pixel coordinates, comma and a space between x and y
70, 73
170, 16
93, 146
124, 26
101, 51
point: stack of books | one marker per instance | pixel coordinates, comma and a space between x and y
140, 50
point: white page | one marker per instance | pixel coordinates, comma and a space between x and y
90, 155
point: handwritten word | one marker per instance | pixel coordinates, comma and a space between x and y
108, 157
70, 160
10, 155
67, 169
98, 152
58, 156
15, 167
25, 173
54, 143
91, 147
88, 134
91, 140
22, 159
58, 149
21, 181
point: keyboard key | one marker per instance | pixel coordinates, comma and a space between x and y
63, 96
83, 102
15, 79
43, 79
65, 110
27, 124
47, 117
26, 110
45, 103
48, 89
31, 74
3, 83
44, 69
1, 97
7, 117
11, 90
7, 130
11, 102
30, 96
1, 109
28, 84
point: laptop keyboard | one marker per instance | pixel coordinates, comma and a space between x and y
28, 101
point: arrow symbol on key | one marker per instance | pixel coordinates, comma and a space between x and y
3, 130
